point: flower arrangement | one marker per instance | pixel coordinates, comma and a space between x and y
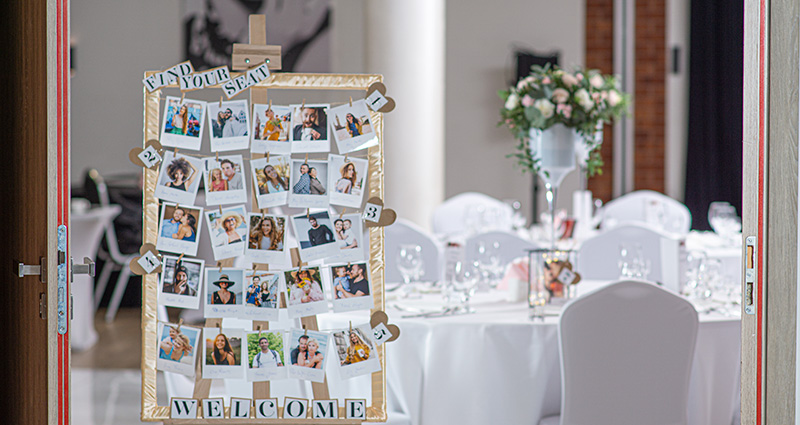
583, 100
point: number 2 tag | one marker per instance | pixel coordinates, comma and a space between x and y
376, 100
380, 334
149, 262
149, 157
372, 212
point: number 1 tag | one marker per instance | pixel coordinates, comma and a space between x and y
566, 276
376, 100
149, 262
380, 334
149, 157
372, 212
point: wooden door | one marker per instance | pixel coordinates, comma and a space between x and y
770, 191
35, 199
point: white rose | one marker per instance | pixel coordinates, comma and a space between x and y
614, 98
569, 80
512, 101
545, 107
583, 98
560, 95
597, 81
522, 84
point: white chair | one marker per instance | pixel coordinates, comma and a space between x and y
599, 256
647, 206
626, 357
471, 211
404, 232
509, 246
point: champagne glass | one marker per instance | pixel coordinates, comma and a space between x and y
409, 263
489, 263
723, 219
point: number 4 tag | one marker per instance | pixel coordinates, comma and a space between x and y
380, 334
372, 212
149, 262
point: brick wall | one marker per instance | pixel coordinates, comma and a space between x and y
649, 95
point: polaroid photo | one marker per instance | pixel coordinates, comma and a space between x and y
309, 179
181, 282
355, 352
222, 353
260, 295
265, 356
271, 180
310, 128
183, 123
271, 129
179, 228
347, 181
306, 351
228, 230
304, 294
267, 239
352, 127
350, 238
223, 292
225, 182
179, 178
350, 287
229, 125
315, 238
177, 346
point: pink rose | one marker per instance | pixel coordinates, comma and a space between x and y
579, 76
564, 110
560, 95
546, 80
569, 80
527, 101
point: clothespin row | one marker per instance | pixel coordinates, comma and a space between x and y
219, 263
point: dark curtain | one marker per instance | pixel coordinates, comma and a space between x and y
714, 154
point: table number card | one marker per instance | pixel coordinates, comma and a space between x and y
376, 100
380, 334
566, 276
372, 212
149, 262
149, 157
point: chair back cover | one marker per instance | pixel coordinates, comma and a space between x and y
647, 206
510, 246
404, 232
467, 210
599, 256
626, 356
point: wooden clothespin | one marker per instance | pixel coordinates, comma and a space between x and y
351, 326
180, 322
220, 209
267, 156
305, 331
220, 101
219, 325
341, 213
351, 101
219, 263
306, 160
181, 257
217, 156
175, 151
269, 108
308, 213
303, 105
183, 96
345, 158
259, 331
263, 213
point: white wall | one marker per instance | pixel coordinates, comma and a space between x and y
480, 39
115, 42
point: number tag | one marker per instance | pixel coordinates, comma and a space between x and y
376, 100
149, 157
149, 262
380, 334
372, 212
566, 276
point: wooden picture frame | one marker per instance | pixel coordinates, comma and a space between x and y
151, 411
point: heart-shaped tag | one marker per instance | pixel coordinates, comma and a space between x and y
148, 262
382, 331
377, 99
147, 157
375, 215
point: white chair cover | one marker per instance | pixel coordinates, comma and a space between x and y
404, 232
471, 211
609, 342
646, 206
510, 246
599, 256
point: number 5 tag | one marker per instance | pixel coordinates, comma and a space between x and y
380, 334
372, 212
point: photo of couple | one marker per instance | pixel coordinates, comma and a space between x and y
183, 123
262, 291
176, 348
225, 180
350, 281
306, 354
229, 125
178, 229
308, 182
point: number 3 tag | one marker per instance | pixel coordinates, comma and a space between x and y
149, 157
372, 212
149, 262
380, 334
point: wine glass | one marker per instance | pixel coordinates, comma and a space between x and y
723, 219
489, 263
409, 263
461, 289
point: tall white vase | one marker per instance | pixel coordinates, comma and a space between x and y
555, 150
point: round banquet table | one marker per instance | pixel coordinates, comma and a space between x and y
499, 366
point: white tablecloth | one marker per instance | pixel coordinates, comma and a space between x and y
498, 366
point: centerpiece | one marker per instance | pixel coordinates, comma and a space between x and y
556, 118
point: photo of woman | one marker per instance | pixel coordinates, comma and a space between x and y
304, 287
352, 127
182, 123
180, 282
344, 234
273, 182
271, 127
216, 182
228, 230
271, 177
223, 295
355, 351
222, 357
179, 178
267, 233
225, 292
181, 174
348, 179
